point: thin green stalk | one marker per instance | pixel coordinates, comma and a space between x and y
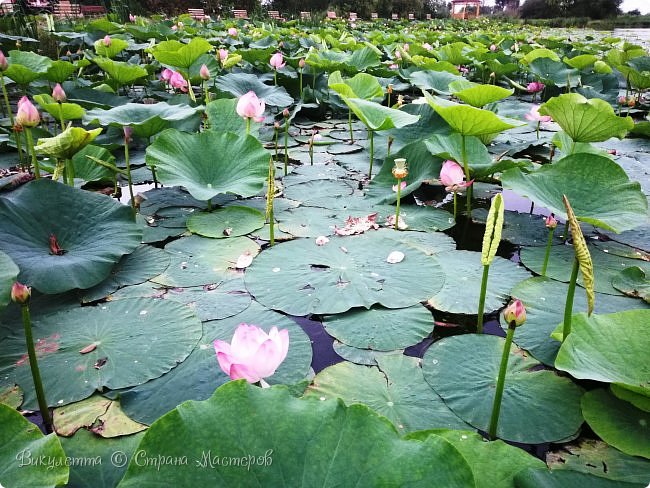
463, 150
455, 206
399, 196
6, 97
498, 394
313, 80
275, 77
311, 151
269, 202
481, 300
371, 136
276, 130
128, 175
549, 243
30, 147
568, 308
300, 77
286, 146
61, 116
206, 93
350, 125
248, 125
33, 364
538, 122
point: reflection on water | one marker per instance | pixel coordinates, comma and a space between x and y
639, 36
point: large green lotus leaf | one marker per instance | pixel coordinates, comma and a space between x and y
589, 181
135, 268
449, 147
238, 84
309, 443
617, 422
310, 221
146, 120
537, 406
22, 445
429, 123
636, 398
26, 66
88, 169
582, 61
107, 458
198, 261
135, 340
544, 299
330, 60
199, 375
8, 274
555, 72
462, 287
116, 46
539, 53
455, 53
225, 222
481, 95
180, 55
606, 266
437, 81
395, 389
299, 277
561, 478
609, 348
361, 85
210, 163
59, 71
93, 240
222, 115
521, 229
123, 73
67, 143
493, 463
586, 120
468, 120
328, 194
634, 282
378, 117
69, 111
380, 329
598, 459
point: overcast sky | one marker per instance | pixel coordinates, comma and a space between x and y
626, 6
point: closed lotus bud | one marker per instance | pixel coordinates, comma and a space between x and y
551, 222
493, 47
20, 293
232, 32
58, 94
27, 115
399, 170
276, 125
204, 72
223, 55
128, 134
107, 41
301, 63
389, 89
277, 61
285, 113
3, 62
515, 313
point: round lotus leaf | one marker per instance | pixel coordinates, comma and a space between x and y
8, 273
197, 377
639, 237
618, 249
427, 242
534, 478
544, 299
606, 266
380, 328
92, 240
318, 158
198, 261
394, 389
11, 395
303, 174
610, 348
634, 282
365, 357
462, 287
537, 406
139, 266
22, 446
134, 340
300, 277
158, 198
310, 221
327, 194
233, 220
618, 422
210, 163
212, 302
309, 443
238, 84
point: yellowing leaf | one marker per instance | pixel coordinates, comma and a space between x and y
493, 227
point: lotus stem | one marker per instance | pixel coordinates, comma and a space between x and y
276, 130
399, 196
481, 300
286, 146
6, 97
206, 93
61, 116
568, 308
300, 78
371, 134
209, 204
549, 243
33, 364
275, 77
498, 394
350, 126
538, 123
311, 152
30, 147
248, 125
463, 150
455, 206
269, 202
128, 174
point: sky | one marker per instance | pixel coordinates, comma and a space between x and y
626, 6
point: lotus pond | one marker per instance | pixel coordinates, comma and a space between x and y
367, 199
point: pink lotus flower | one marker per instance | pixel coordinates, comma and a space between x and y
252, 354
27, 115
223, 55
232, 32
128, 133
398, 54
132, 18
177, 81
427, 46
394, 66
58, 94
493, 47
174, 27
452, 176
463, 69
166, 75
301, 63
550, 222
534, 115
402, 186
107, 41
535, 87
515, 312
277, 61
20, 293
204, 72
406, 47
251, 107
3, 62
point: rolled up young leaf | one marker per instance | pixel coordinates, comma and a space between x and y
582, 255
493, 227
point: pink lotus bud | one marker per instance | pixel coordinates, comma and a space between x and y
204, 72
223, 55
406, 47
177, 81
166, 75
551, 222
276, 125
285, 113
107, 41
493, 47
132, 18
427, 46
27, 115
301, 63
128, 133
174, 27
3, 62
393, 66
232, 32
534, 115
251, 107
252, 354
452, 175
515, 313
20, 293
398, 55
277, 61
535, 87
58, 94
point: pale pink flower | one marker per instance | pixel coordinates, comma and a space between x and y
452, 176
3, 62
223, 55
301, 63
252, 354
204, 72
251, 107
534, 115
107, 41
402, 186
515, 312
58, 94
551, 222
535, 87
27, 115
166, 75
493, 47
398, 54
232, 32
177, 81
406, 47
132, 18
394, 66
321, 240
427, 46
277, 61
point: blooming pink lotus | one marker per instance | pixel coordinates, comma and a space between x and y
277, 61
535, 87
58, 94
252, 354
166, 75
132, 18
27, 115
232, 32
177, 81
3, 62
452, 176
427, 46
251, 107
534, 115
